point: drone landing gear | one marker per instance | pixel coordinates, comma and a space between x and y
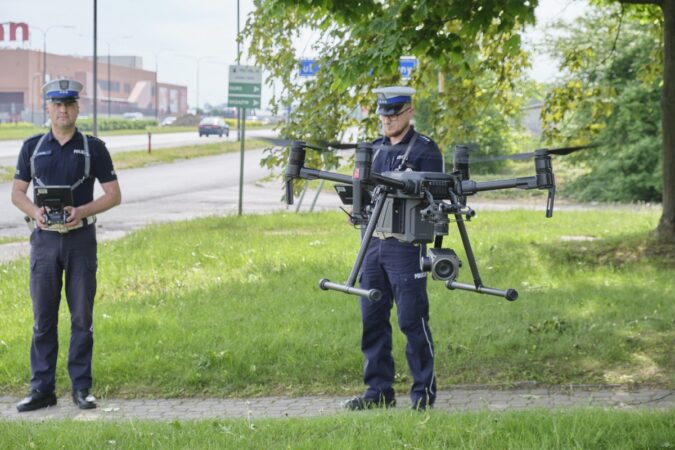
509, 294
371, 294
348, 287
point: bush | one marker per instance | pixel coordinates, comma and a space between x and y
16, 126
187, 120
116, 124
628, 166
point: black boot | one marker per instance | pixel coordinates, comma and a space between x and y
83, 400
36, 400
361, 403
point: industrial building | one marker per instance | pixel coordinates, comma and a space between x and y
123, 86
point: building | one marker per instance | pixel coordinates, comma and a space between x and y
123, 86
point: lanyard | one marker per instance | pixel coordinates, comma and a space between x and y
405, 155
87, 162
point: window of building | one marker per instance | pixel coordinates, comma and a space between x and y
113, 86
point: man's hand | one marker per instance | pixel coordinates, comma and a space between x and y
350, 217
39, 217
74, 216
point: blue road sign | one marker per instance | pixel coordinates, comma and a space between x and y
406, 67
308, 67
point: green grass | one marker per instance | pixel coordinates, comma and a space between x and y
581, 429
140, 158
24, 130
7, 239
229, 306
6, 173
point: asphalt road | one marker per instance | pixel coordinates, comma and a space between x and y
9, 150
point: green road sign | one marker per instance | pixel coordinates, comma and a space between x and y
244, 87
243, 102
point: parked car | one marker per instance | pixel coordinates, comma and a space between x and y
169, 120
133, 116
213, 125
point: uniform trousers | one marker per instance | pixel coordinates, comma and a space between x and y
394, 268
54, 255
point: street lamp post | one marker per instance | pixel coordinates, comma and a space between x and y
109, 43
44, 62
35, 91
157, 53
199, 61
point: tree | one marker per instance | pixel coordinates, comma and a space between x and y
610, 94
468, 53
666, 227
664, 17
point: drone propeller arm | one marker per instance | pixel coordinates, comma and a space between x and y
296, 169
376, 178
314, 174
544, 179
469, 187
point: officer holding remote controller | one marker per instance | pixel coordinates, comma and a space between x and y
63, 240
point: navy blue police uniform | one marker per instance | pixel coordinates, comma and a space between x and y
55, 252
393, 267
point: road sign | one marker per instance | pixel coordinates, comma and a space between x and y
406, 67
308, 67
244, 87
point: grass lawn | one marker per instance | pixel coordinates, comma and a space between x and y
581, 429
22, 131
140, 158
7, 240
229, 306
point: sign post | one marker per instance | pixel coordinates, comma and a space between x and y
244, 89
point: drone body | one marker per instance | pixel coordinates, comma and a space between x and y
417, 207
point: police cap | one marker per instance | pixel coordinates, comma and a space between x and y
391, 99
63, 90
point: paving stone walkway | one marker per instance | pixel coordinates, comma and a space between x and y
455, 400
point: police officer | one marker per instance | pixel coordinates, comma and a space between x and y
393, 267
64, 157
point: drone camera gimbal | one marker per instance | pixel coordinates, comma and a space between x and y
416, 207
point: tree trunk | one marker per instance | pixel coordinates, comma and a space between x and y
666, 228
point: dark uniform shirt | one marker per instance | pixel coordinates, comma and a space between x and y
424, 155
57, 165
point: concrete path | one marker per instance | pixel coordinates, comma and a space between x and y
454, 400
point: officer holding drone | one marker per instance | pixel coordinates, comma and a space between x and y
62, 165
393, 267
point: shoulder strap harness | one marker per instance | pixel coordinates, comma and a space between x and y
87, 162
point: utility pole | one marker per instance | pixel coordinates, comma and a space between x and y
94, 130
238, 109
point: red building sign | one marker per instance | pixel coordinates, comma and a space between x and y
13, 27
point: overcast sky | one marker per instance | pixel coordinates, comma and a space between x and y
174, 34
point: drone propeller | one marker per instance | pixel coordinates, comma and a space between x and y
568, 150
322, 146
529, 155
